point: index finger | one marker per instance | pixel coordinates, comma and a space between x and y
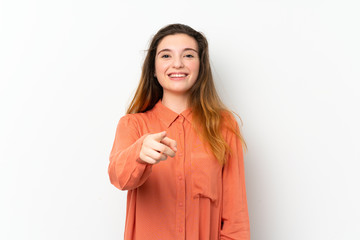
170, 143
159, 136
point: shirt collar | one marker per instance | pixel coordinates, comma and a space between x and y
168, 116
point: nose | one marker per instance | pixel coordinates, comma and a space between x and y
178, 62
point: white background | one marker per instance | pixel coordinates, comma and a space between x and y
290, 69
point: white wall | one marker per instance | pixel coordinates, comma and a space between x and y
289, 68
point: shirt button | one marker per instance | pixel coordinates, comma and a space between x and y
180, 178
180, 229
180, 204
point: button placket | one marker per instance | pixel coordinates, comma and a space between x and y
180, 200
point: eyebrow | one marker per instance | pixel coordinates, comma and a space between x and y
167, 49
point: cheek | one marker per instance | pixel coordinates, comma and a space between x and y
195, 66
156, 67
160, 67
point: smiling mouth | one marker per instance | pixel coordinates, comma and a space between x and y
177, 75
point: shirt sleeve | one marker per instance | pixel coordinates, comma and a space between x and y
126, 171
235, 218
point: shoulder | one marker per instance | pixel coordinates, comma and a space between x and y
127, 121
127, 118
131, 118
130, 125
137, 120
229, 125
228, 119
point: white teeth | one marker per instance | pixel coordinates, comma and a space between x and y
177, 75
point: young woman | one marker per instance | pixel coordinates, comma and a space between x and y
179, 151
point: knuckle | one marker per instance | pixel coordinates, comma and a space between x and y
158, 156
162, 148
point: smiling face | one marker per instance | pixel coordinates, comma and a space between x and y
177, 63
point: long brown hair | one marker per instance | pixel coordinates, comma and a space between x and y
203, 99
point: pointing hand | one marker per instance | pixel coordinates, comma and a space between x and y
157, 147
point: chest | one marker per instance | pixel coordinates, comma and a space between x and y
194, 161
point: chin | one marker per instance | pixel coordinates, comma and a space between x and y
178, 91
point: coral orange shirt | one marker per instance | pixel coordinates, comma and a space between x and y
190, 196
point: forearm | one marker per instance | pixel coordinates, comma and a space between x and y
125, 170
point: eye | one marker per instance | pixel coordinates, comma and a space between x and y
189, 55
165, 56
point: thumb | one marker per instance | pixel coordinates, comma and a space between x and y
159, 136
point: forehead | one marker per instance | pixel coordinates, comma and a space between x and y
177, 42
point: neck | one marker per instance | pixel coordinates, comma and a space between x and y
177, 103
